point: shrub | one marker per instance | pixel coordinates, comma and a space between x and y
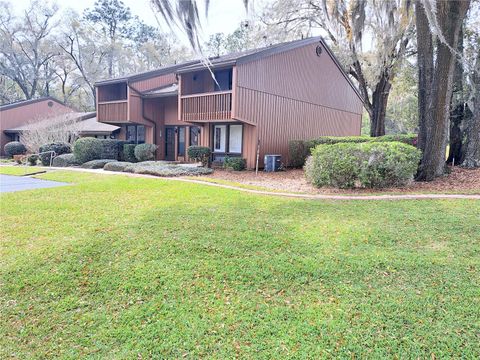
167, 170
145, 152
368, 164
112, 148
388, 164
14, 148
60, 148
200, 153
299, 150
32, 160
234, 163
97, 163
87, 149
129, 153
116, 166
65, 160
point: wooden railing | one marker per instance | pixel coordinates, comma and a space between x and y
207, 106
112, 111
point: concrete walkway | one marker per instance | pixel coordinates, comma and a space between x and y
10, 183
285, 194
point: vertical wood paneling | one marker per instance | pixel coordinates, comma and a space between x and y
154, 82
114, 112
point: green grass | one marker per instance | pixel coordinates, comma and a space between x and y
118, 267
20, 170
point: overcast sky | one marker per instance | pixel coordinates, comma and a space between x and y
224, 15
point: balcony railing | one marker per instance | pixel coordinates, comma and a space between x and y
112, 111
207, 106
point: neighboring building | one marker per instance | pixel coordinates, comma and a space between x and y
19, 116
263, 97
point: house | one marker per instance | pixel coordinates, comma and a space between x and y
20, 116
259, 99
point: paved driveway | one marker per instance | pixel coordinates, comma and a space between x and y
9, 183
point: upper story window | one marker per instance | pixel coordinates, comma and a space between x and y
112, 92
224, 80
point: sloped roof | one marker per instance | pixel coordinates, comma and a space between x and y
86, 123
169, 90
28, 102
146, 74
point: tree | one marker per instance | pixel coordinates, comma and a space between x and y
438, 31
25, 53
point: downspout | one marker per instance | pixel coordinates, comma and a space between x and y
154, 125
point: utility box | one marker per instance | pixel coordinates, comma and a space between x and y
273, 163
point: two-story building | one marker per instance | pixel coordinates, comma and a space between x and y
236, 104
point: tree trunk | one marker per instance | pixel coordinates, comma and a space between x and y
379, 107
434, 103
472, 144
457, 113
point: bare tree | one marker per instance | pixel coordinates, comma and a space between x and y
24, 50
61, 127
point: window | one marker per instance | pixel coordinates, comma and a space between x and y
194, 135
135, 134
181, 141
224, 80
235, 139
227, 139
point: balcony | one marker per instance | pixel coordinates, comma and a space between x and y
206, 106
112, 111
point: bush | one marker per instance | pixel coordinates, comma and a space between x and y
145, 152
388, 164
65, 160
60, 148
87, 149
234, 163
368, 164
14, 148
32, 160
97, 163
299, 150
200, 153
129, 153
167, 170
112, 148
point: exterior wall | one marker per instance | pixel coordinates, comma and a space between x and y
295, 95
196, 82
23, 114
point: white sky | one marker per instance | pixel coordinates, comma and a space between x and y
224, 15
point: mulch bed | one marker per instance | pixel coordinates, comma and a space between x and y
458, 181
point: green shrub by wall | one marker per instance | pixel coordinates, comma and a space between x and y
234, 163
65, 160
60, 148
112, 148
372, 165
299, 150
87, 149
14, 148
129, 153
145, 152
200, 153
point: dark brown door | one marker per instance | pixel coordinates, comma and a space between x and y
169, 144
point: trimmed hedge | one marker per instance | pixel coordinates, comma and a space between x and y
299, 150
372, 165
112, 148
65, 160
200, 154
60, 148
87, 149
116, 166
97, 163
145, 152
129, 153
14, 148
234, 163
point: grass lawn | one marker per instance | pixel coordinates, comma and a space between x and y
118, 267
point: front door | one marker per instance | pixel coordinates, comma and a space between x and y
170, 144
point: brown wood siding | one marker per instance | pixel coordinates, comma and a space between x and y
154, 82
112, 112
203, 82
23, 114
294, 95
206, 107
